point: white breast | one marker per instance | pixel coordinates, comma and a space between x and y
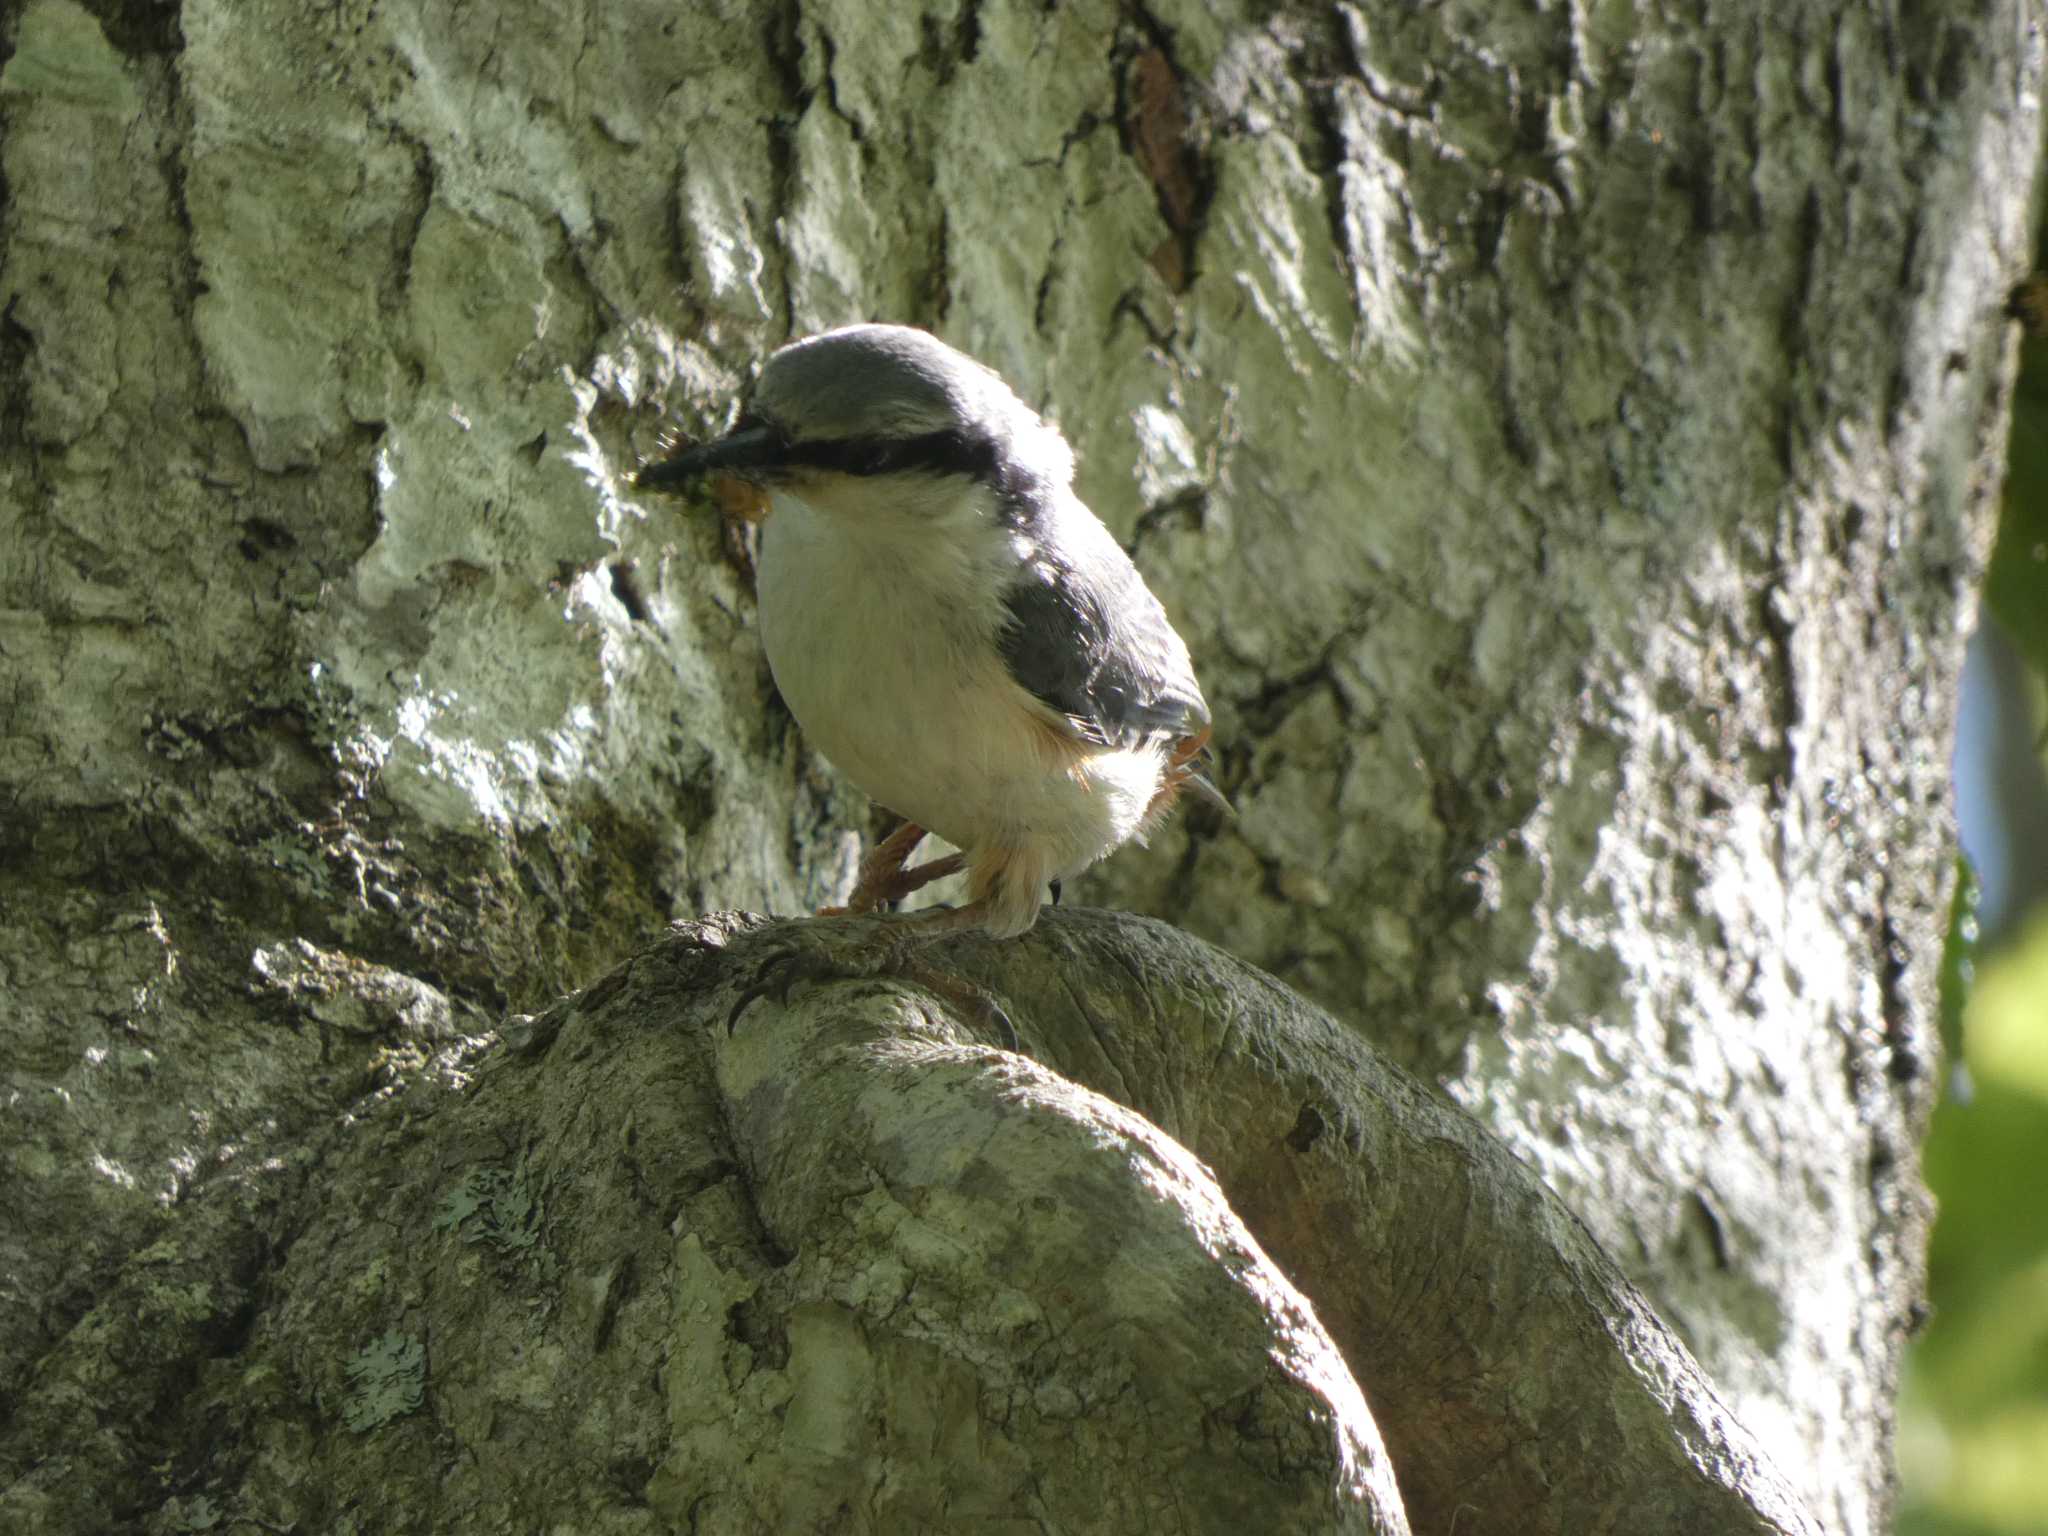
888, 660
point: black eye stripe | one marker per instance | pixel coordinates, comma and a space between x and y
935, 453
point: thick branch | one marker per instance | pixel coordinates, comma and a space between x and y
1021, 1296
851, 1258
1521, 1384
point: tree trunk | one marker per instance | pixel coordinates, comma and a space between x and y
1567, 439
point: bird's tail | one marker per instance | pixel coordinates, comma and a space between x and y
1184, 771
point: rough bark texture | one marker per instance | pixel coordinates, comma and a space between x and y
894, 1275
1564, 434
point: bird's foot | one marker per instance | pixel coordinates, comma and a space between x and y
855, 948
883, 879
871, 895
790, 955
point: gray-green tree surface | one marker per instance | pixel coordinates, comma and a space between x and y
1567, 437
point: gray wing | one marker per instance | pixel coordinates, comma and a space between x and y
1089, 639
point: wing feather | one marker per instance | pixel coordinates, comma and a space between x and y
1084, 635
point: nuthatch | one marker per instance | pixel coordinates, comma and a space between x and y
949, 624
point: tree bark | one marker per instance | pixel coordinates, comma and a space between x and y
1567, 439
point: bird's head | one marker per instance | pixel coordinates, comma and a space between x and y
878, 415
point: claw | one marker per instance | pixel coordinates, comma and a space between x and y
1003, 1026
748, 998
816, 953
790, 960
778, 971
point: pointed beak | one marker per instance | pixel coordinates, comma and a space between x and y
746, 452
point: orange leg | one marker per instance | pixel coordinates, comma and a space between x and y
1005, 889
883, 878
931, 869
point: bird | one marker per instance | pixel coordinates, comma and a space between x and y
949, 624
